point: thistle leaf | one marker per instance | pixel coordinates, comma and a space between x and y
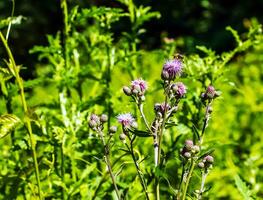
242, 188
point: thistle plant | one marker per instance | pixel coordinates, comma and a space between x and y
96, 123
164, 112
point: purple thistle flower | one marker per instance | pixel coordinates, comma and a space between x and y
139, 86
126, 119
179, 89
210, 93
172, 69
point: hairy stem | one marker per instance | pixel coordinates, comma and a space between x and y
201, 191
144, 186
159, 147
108, 163
13, 68
189, 175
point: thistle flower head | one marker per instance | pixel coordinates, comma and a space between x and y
210, 93
126, 119
94, 121
179, 89
95, 118
139, 86
172, 69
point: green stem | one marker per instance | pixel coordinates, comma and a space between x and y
189, 175
159, 147
10, 23
201, 191
13, 68
140, 105
138, 170
64, 7
108, 163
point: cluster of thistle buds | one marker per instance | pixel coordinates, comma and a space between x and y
206, 162
190, 150
210, 94
96, 123
137, 89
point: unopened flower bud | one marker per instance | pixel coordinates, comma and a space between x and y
92, 124
195, 149
187, 155
122, 136
201, 165
209, 159
95, 118
113, 129
103, 118
189, 144
127, 91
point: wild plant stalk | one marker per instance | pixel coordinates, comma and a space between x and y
207, 98
96, 123
189, 175
108, 163
15, 70
139, 172
159, 139
63, 93
201, 190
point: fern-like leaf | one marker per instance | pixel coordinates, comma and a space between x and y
8, 122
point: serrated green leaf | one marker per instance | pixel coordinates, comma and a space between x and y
242, 188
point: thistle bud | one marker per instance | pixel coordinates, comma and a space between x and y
92, 124
209, 159
122, 137
127, 91
187, 155
201, 165
113, 129
103, 118
195, 149
189, 144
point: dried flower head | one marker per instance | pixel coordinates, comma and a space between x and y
172, 69
161, 107
126, 119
